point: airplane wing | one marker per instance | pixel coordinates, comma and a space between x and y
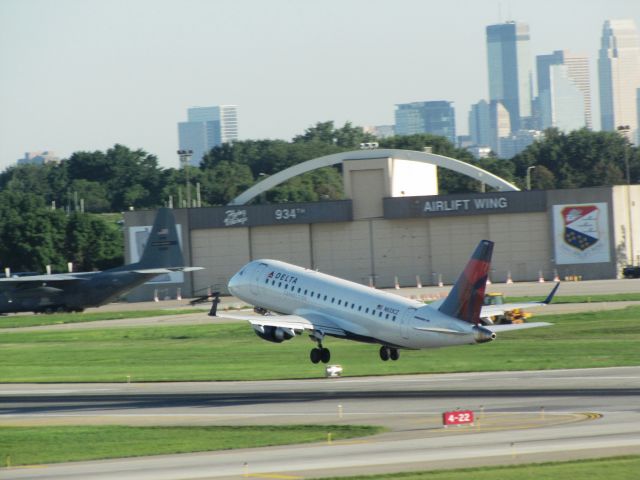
515, 326
493, 310
39, 279
160, 271
310, 322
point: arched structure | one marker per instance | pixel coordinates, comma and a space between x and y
328, 160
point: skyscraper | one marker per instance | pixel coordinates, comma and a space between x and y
619, 76
436, 118
564, 99
480, 124
510, 72
207, 127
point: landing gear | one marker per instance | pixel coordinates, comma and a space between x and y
320, 354
387, 353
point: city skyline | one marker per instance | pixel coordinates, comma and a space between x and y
83, 75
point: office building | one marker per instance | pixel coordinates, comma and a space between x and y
207, 127
436, 118
510, 71
38, 158
619, 76
564, 99
480, 124
500, 125
380, 131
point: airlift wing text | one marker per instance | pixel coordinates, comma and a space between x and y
465, 204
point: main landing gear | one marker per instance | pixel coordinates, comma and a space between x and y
387, 353
320, 354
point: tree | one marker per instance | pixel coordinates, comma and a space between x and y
30, 234
580, 159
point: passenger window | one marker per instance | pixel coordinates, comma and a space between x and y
359, 308
333, 299
325, 298
266, 281
318, 296
394, 318
386, 317
366, 310
305, 291
279, 284
380, 314
339, 302
298, 289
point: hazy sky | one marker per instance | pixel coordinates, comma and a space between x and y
86, 74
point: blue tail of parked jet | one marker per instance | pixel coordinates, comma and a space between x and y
465, 300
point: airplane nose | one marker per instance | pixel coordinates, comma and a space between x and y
237, 281
233, 284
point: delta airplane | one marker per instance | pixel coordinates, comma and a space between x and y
293, 300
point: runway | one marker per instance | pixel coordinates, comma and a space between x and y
524, 416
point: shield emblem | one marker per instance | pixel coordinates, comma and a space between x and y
581, 226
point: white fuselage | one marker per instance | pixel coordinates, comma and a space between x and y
366, 314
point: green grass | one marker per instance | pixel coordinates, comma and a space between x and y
616, 468
14, 321
38, 445
233, 352
613, 297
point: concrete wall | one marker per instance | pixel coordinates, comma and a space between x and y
430, 246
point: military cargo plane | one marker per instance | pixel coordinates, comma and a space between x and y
73, 292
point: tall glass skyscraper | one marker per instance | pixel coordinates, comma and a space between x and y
619, 76
564, 91
207, 127
510, 72
436, 118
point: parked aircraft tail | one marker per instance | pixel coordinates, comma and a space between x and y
163, 247
467, 296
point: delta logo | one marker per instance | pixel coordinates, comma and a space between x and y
282, 277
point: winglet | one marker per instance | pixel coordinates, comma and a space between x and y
465, 300
547, 300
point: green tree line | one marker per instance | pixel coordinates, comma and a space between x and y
40, 222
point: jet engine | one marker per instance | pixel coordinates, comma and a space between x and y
274, 334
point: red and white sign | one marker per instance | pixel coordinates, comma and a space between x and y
581, 233
459, 417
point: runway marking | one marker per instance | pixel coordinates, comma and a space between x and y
271, 475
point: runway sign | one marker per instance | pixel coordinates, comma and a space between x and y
459, 417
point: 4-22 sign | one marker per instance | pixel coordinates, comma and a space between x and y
459, 417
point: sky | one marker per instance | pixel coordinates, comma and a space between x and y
83, 75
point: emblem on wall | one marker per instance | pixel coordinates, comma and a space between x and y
581, 233
581, 226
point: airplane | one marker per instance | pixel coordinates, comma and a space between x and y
489, 312
73, 292
292, 300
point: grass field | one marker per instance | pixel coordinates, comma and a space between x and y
617, 468
609, 297
14, 321
233, 352
38, 445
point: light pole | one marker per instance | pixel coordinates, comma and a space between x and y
185, 162
624, 131
532, 167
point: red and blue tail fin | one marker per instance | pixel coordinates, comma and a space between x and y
465, 300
